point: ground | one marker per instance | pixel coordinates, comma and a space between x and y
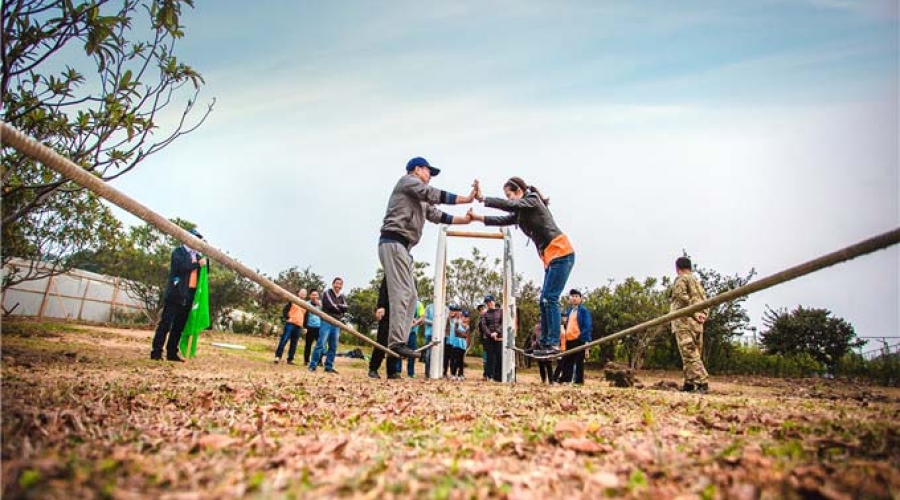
86, 414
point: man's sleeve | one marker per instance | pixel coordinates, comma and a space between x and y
586, 326
680, 293
426, 193
436, 216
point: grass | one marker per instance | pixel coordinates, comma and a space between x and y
87, 415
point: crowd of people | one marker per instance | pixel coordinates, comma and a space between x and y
400, 313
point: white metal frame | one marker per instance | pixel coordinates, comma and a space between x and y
440, 300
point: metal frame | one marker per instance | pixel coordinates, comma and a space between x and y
440, 299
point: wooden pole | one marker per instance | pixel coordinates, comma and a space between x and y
474, 234
864, 247
28, 146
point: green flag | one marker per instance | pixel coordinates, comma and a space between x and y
198, 319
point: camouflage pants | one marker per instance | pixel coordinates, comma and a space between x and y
690, 343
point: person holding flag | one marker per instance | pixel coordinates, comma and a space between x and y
181, 289
198, 318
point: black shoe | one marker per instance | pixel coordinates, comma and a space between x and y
393, 376
155, 357
374, 374
688, 387
331, 370
702, 388
546, 350
404, 351
290, 361
176, 358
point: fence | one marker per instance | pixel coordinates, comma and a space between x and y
77, 294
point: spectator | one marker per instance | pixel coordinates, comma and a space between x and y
491, 327
178, 299
313, 323
333, 304
293, 317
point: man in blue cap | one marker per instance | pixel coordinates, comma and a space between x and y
411, 202
180, 289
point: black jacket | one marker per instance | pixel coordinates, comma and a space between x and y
177, 291
530, 214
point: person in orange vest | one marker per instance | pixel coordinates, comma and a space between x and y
181, 286
293, 316
577, 333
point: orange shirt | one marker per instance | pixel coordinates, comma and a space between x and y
572, 329
296, 315
559, 247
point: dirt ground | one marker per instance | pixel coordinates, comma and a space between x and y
86, 414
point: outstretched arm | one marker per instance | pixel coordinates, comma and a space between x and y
490, 220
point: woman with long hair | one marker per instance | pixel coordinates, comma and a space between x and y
528, 210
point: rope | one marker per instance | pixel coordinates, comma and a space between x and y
28, 146
870, 245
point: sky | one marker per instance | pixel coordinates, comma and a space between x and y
753, 135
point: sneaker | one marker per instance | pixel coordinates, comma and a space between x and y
404, 351
331, 370
546, 350
277, 360
312, 369
176, 358
393, 376
374, 374
688, 387
290, 361
156, 357
702, 388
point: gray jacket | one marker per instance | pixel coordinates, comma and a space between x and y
411, 202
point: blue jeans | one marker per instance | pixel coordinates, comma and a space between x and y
413, 343
555, 277
292, 333
328, 335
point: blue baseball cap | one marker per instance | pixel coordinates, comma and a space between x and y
195, 233
418, 161
489, 298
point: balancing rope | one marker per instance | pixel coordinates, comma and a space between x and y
864, 247
26, 145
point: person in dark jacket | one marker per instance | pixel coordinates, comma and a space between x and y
490, 325
527, 209
333, 304
178, 299
383, 316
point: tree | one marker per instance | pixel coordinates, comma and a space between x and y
292, 280
90, 80
809, 331
469, 280
362, 302
228, 290
628, 304
142, 257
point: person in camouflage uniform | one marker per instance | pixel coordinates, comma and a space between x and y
687, 291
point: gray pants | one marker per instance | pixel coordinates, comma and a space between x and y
401, 287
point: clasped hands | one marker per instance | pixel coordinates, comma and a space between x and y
475, 195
